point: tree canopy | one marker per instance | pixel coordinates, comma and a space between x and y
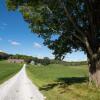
75, 23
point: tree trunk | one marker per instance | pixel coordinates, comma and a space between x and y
94, 72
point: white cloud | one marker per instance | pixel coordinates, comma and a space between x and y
52, 56
37, 45
15, 43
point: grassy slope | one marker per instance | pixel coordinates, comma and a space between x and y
7, 70
58, 82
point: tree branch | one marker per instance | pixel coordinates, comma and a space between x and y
78, 38
90, 15
84, 38
71, 20
88, 47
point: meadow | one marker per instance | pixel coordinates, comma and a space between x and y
7, 70
59, 82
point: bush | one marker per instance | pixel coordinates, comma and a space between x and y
46, 61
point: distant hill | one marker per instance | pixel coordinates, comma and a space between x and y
3, 55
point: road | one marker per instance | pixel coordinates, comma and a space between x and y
20, 87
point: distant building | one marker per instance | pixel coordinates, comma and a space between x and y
32, 62
16, 60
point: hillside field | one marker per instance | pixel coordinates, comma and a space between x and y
58, 82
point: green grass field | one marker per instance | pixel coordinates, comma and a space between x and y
58, 82
7, 70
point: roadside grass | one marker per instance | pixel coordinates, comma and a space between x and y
58, 82
7, 70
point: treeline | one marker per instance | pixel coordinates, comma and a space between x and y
4, 56
44, 61
66, 63
28, 59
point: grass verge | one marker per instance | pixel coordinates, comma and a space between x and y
58, 82
7, 70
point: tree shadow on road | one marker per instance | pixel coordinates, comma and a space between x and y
64, 81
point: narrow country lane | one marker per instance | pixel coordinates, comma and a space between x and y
20, 87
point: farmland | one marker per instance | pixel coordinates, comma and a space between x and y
7, 70
58, 82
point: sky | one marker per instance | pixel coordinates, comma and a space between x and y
17, 38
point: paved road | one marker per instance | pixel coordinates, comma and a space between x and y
20, 87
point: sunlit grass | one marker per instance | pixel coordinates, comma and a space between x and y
58, 82
7, 70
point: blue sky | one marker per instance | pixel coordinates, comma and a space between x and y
16, 37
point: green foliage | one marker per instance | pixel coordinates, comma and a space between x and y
75, 22
46, 61
25, 57
28, 60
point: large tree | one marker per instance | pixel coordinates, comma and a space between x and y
65, 25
